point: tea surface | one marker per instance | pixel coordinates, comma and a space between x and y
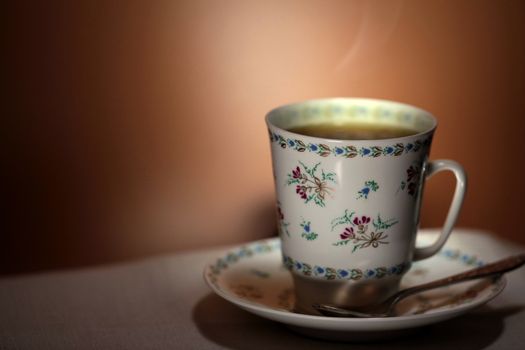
353, 131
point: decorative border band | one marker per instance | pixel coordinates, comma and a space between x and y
243, 252
324, 150
455, 254
330, 273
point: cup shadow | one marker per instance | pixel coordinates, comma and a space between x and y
231, 327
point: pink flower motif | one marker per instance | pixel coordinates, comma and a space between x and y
412, 188
301, 191
280, 213
364, 220
296, 174
348, 233
411, 173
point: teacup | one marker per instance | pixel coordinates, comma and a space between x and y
348, 210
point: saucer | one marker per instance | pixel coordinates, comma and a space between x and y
252, 276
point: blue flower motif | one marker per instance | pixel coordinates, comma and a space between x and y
319, 270
465, 258
409, 146
339, 150
370, 185
307, 228
449, 253
388, 150
291, 143
342, 273
298, 265
370, 273
365, 151
312, 147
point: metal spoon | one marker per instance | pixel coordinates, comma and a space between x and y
386, 308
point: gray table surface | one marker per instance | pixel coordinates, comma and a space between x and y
163, 303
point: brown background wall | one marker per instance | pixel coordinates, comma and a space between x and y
136, 127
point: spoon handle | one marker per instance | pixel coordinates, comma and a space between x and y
496, 268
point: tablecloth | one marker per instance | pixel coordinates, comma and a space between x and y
164, 303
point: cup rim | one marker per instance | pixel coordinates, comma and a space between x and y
271, 114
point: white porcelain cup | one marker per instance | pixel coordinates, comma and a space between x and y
348, 210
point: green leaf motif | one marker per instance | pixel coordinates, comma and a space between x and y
398, 149
309, 236
345, 242
351, 151
380, 272
282, 141
307, 269
356, 274
346, 218
376, 151
300, 146
330, 273
291, 181
372, 184
379, 224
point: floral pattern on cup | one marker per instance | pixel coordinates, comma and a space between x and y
331, 273
411, 183
356, 231
307, 231
351, 151
370, 185
310, 185
282, 225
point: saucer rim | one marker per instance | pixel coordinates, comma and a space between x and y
336, 323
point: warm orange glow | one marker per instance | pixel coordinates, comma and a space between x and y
138, 127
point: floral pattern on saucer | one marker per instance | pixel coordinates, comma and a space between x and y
253, 277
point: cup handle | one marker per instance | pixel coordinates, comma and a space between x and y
432, 168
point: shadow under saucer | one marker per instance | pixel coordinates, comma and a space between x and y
229, 326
